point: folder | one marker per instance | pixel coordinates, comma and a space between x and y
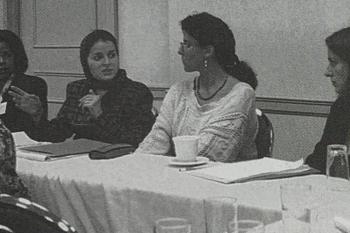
58, 150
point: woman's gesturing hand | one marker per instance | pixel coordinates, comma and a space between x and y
28, 103
92, 103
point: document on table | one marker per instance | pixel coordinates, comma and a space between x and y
59, 150
21, 139
265, 168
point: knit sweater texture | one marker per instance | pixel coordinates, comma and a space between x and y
227, 128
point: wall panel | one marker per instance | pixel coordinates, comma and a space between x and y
69, 20
283, 40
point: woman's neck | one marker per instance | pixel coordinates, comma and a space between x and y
213, 84
211, 78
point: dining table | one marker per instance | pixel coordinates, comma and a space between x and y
129, 193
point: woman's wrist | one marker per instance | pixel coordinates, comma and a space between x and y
36, 116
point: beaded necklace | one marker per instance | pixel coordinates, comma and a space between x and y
210, 97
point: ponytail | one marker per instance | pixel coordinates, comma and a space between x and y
242, 71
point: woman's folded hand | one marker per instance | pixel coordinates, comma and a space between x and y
92, 103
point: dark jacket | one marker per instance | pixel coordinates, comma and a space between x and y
14, 118
335, 132
127, 114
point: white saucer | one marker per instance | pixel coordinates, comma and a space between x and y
199, 161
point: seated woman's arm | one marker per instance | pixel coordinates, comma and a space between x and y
158, 141
59, 128
26, 97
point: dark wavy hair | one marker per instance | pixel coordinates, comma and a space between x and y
339, 43
88, 42
17, 48
207, 29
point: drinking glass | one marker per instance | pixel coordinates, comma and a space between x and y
173, 225
220, 213
337, 166
247, 226
296, 216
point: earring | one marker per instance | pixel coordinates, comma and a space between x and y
205, 63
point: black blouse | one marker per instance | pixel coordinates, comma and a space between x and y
335, 132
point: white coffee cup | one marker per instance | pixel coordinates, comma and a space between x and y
186, 148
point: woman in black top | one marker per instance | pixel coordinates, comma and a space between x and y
106, 106
337, 129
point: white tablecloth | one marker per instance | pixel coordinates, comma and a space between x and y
128, 194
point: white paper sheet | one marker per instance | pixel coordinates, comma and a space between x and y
21, 139
238, 171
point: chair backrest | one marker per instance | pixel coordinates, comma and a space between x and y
21, 215
265, 137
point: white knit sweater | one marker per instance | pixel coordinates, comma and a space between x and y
227, 127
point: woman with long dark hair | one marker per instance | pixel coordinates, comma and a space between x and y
218, 105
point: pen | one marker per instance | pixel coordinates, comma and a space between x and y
185, 169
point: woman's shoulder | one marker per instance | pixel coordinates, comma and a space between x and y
31, 77
127, 83
241, 98
243, 90
25, 80
137, 85
80, 83
133, 89
31, 84
340, 108
185, 87
77, 87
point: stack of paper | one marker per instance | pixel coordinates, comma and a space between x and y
59, 150
265, 168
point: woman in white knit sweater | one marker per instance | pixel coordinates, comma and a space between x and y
218, 105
